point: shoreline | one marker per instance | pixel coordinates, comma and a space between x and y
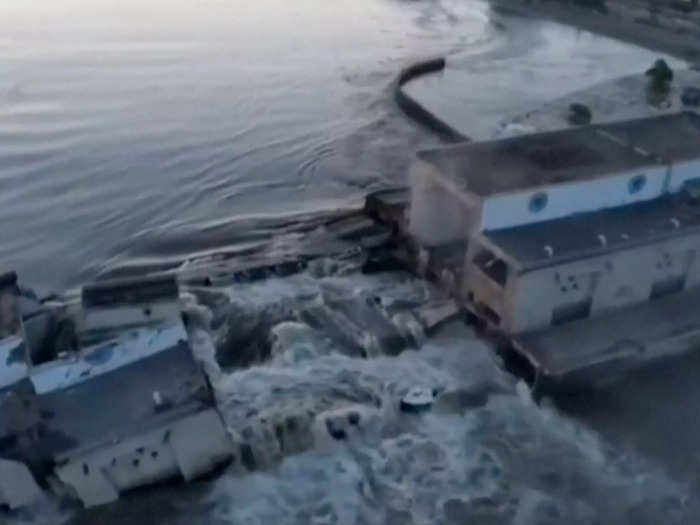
625, 21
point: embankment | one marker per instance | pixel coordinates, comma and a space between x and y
413, 109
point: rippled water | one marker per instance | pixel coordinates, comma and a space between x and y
136, 134
122, 122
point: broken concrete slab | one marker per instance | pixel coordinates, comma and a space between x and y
17, 485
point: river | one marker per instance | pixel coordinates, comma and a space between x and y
135, 133
122, 123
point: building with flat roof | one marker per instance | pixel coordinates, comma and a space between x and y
564, 225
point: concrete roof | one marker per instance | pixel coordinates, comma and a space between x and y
674, 137
542, 159
579, 236
118, 405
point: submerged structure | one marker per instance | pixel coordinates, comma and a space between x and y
576, 251
101, 395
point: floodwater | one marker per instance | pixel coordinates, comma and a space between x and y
141, 133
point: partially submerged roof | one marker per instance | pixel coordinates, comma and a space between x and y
114, 406
583, 153
588, 234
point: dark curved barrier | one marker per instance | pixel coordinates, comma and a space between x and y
413, 109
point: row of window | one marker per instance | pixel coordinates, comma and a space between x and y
538, 201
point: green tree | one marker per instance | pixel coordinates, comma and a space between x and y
579, 114
660, 76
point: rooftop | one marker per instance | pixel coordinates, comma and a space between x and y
584, 153
119, 404
674, 137
589, 234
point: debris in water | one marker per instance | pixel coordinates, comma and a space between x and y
418, 399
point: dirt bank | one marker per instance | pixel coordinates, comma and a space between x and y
669, 29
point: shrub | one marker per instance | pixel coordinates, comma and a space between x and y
660, 76
579, 114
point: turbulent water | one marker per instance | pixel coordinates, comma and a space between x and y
485, 453
137, 135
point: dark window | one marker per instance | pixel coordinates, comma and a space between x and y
667, 286
489, 313
571, 312
492, 266
538, 202
637, 183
